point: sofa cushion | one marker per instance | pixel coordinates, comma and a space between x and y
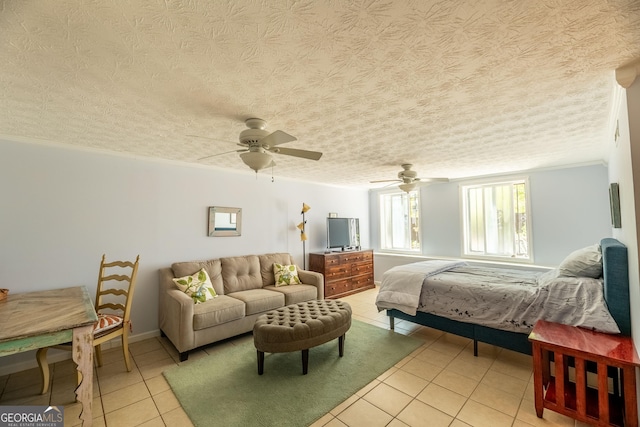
212, 267
241, 273
217, 311
259, 300
294, 294
266, 266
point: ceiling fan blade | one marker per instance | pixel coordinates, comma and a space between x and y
305, 154
220, 154
276, 138
385, 180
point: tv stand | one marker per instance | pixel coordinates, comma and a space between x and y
345, 272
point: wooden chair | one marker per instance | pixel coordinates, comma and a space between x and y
113, 306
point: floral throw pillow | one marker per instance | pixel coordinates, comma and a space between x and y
198, 286
285, 274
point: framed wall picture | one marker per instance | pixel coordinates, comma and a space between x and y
614, 200
225, 222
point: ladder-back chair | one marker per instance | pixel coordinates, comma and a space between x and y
114, 295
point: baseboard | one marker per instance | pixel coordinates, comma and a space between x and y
53, 356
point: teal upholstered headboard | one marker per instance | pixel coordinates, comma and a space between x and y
615, 271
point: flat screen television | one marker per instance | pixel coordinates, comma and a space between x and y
343, 233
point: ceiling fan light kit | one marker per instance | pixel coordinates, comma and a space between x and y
407, 187
256, 160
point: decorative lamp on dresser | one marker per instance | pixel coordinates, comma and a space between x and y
344, 273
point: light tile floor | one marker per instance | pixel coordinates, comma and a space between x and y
439, 384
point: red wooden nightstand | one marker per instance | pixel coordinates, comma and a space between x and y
575, 352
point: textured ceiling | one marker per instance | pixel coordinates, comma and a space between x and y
458, 88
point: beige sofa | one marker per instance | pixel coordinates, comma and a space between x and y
246, 289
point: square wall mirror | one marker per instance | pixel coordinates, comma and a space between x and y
224, 222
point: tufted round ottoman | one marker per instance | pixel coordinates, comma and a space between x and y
300, 327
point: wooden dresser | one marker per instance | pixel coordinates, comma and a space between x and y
344, 273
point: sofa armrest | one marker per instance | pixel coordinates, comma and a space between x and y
313, 278
175, 313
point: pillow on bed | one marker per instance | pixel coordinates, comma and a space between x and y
578, 301
585, 262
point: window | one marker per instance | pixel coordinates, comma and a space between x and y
400, 221
496, 220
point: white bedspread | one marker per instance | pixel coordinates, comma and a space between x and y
400, 287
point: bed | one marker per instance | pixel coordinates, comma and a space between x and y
614, 289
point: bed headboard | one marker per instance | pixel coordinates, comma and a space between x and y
615, 272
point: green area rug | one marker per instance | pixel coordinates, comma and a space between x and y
224, 389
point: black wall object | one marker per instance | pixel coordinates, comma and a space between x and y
614, 200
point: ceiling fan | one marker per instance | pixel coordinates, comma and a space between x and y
258, 143
409, 180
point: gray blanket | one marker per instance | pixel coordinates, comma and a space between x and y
401, 285
506, 299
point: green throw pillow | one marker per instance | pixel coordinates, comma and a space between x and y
285, 274
198, 286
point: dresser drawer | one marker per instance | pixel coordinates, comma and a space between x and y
361, 268
332, 260
362, 281
337, 287
350, 257
337, 272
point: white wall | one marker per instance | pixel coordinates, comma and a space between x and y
570, 210
624, 168
62, 208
